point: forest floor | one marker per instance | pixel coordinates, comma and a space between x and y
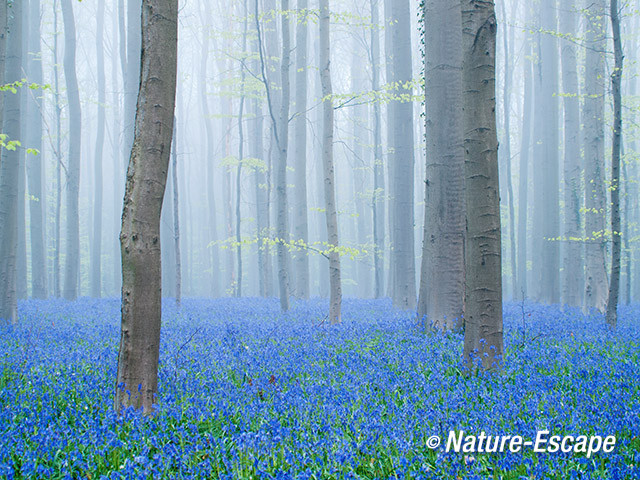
247, 392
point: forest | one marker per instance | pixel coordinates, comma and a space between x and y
319, 239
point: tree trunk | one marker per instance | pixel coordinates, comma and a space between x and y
9, 171
441, 297
616, 84
546, 177
137, 382
176, 215
35, 164
483, 291
240, 157
209, 156
379, 192
525, 150
301, 227
572, 281
282, 142
58, 110
96, 253
596, 286
507, 38
72, 263
335, 288
403, 159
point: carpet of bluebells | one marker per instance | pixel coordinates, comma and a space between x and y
248, 392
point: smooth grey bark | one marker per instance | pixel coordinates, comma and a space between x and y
240, 158
72, 260
35, 163
525, 149
389, 79
214, 257
96, 251
505, 152
137, 380
360, 171
378, 199
282, 142
546, 232
3, 51
335, 287
483, 291
300, 217
58, 115
9, 166
261, 190
114, 243
596, 283
280, 128
616, 84
176, 216
573, 269
441, 298
403, 159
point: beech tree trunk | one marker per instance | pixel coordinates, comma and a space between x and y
483, 291
35, 163
616, 84
72, 262
441, 298
137, 381
379, 192
573, 270
96, 253
596, 284
300, 223
9, 166
335, 287
403, 158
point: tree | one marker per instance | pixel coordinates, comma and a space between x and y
525, 149
34, 163
441, 297
546, 253
593, 120
9, 170
616, 83
403, 159
335, 287
378, 198
72, 263
137, 380
483, 289
573, 270
96, 254
300, 222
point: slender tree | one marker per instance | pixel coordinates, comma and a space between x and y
483, 290
243, 75
378, 197
58, 115
403, 158
9, 170
300, 220
96, 254
35, 163
573, 270
441, 298
596, 285
616, 83
137, 381
72, 261
335, 287
176, 215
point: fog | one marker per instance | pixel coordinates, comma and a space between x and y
554, 115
